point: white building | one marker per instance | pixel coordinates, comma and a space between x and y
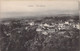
31, 23
26, 28
45, 33
46, 25
38, 29
66, 22
78, 26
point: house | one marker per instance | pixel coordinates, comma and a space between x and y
26, 28
78, 26
45, 32
6, 23
46, 25
51, 30
31, 23
66, 22
38, 29
61, 26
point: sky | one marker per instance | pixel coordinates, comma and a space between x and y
27, 8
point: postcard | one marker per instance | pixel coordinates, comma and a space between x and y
39, 25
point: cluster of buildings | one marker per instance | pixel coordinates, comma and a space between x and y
52, 27
49, 27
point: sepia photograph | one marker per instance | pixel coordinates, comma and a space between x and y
39, 25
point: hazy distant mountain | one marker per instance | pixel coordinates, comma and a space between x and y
38, 14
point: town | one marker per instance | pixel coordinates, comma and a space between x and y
40, 34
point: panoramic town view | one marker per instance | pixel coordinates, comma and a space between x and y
57, 33
39, 26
